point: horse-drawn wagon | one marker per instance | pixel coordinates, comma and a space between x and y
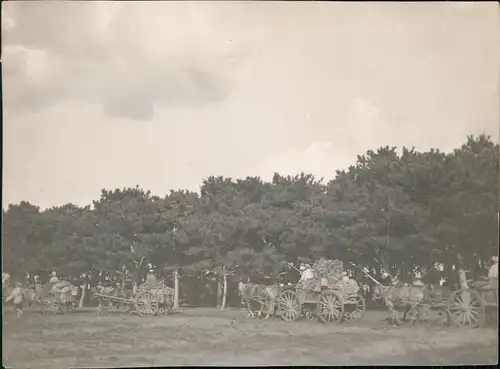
329, 295
147, 300
57, 298
472, 305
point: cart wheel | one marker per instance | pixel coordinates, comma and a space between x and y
330, 307
356, 307
51, 305
309, 312
466, 307
72, 306
146, 304
289, 306
166, 304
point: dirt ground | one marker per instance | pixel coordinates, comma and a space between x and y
210, 337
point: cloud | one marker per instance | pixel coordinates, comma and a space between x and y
122, 56
318, 158
323, 158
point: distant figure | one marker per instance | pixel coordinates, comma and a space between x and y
418, 281
305, 272
53, 279
493, 272
345, 277
349, 286
17, 298
6, 279
151, 279
38, 283
386, 278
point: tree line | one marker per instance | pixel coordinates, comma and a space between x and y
389, 210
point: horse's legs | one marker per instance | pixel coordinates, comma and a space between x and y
415, 314
405, 313
261, 311
271, 309
394, 314
250, 312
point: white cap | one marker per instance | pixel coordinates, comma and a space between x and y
495, 259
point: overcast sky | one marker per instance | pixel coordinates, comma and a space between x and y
162, 94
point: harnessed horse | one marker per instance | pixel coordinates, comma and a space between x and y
265, 296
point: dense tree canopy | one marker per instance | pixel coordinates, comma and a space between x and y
388, 209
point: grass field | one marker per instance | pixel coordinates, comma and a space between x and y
211, 337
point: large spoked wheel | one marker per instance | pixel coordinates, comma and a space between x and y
146, 304
289, 305
465, 307
355, 308
70, 304
51, 305
166, 304
330, 307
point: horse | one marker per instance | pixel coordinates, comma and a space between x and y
410, 298
401, 296
265, 296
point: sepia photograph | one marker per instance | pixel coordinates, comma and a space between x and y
250, 183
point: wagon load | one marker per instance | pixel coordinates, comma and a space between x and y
63, 287
326, 273
158, 288
331, 270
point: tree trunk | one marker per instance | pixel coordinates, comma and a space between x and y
224, 291
462, 275
124, 278
84, 294
176, 289
219, 291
